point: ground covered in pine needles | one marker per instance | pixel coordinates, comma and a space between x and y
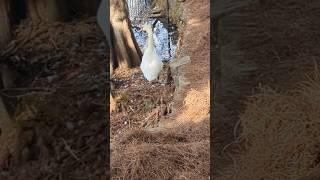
171, 140
59, 107
274, 108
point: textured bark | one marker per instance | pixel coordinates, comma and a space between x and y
103, 15
125, 52
46, 10
83, 7
8, 129
125, 49
4, 22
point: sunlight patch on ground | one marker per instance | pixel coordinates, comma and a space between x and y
196, 106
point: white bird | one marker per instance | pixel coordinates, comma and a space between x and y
151, 64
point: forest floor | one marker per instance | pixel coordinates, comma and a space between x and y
140, 104
162, 131
271, 44
60, 102
60, 107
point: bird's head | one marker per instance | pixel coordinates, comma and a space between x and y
147, 28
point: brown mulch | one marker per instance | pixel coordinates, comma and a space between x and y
280, 39
61, 101
140, 104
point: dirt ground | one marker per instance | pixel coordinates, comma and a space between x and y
264, 43
60, 102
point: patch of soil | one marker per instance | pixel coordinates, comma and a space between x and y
60, 97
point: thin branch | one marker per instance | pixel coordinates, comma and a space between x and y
68, 148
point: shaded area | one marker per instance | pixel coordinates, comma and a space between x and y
61, 101
279, 134
272, 48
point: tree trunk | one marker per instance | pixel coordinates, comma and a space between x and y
125, 49
83, 7
88, 7
5, 34
8, 129
46, 10
125, 52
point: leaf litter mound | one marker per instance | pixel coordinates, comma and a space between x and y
276, 141
60, 109
140, 104
280, 134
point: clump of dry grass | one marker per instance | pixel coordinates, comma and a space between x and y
280, 135
187, 132
177, 153
158, 161
196, 105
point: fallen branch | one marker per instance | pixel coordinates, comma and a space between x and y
68, 148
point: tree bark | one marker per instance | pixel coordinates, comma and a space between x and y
125, 52
46, 10
125, 49
103, 15
8, 129
5, 34
83, 7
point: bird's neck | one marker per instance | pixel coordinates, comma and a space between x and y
150, 44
